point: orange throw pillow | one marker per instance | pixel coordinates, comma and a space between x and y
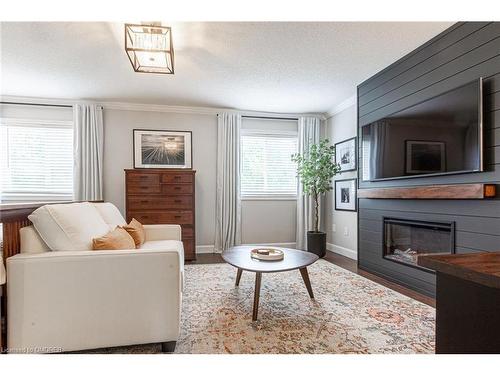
117, 239
136, 230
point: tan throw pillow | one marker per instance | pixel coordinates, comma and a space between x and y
117, 239
136, 230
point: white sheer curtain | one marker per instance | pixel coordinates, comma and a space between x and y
377, 152
228, 203
309, 133
88, 144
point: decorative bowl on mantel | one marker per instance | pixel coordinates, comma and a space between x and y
266, 253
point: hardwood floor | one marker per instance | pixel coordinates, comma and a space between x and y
345, 263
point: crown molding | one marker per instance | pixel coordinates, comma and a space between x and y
129, 106
126, 106
349, 102
33, 100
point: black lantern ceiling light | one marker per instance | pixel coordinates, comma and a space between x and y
149, 48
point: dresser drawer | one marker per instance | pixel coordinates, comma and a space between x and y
165, 217
176, 178
187, 232
174, 189
148, 203
141, 179
147, 183
189, 249
143, 189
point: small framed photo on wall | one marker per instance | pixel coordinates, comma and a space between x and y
345, 154
345, 195
162, 149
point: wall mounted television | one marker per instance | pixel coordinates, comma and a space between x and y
441, 135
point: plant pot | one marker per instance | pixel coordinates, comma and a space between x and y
316, 243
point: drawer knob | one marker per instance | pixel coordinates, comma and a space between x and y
143, 177
178, 201
144, 202
144, 187
177, 177
177, 216
177, 188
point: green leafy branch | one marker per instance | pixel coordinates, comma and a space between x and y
315, 169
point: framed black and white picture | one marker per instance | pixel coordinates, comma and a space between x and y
425, 157
345, 195
345, 154
162, 149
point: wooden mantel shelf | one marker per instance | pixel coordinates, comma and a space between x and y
458, 191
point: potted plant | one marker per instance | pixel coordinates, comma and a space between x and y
316, 168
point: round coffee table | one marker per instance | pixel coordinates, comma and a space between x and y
239, 257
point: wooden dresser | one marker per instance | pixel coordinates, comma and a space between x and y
163, 196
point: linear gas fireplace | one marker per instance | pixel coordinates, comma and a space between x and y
405, 240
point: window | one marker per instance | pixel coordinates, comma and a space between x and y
266, 166
36, 160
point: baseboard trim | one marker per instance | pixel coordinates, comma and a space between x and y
349, 253
210, 249
290, 245
205, 249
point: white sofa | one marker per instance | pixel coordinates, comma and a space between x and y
62, 296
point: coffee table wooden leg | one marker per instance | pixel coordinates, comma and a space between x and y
238, 276
305, 277
258, 279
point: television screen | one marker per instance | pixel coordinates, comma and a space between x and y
438, 136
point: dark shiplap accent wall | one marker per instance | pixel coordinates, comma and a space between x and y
460, 54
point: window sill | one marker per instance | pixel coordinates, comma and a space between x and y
268, 197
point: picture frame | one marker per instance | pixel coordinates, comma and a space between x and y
425, 157
346, 155
346, 195
165, 149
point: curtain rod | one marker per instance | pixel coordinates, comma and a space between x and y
270, 118
40, 104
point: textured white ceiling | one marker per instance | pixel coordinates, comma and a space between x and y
266, 66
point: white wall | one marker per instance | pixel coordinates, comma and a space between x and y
262, 221
265, 221
342, 239
118, 155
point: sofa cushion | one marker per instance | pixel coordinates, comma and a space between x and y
110, 214
117, 239
68, 226
31, 242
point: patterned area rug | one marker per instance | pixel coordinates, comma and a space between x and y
350, 314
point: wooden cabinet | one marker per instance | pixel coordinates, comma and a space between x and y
163, 196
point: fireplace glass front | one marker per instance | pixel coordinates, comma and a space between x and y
405, 240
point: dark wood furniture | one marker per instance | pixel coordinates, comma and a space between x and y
163, 196
240, 258
467, 302
458, 191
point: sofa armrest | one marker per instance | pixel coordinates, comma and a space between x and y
156, 232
